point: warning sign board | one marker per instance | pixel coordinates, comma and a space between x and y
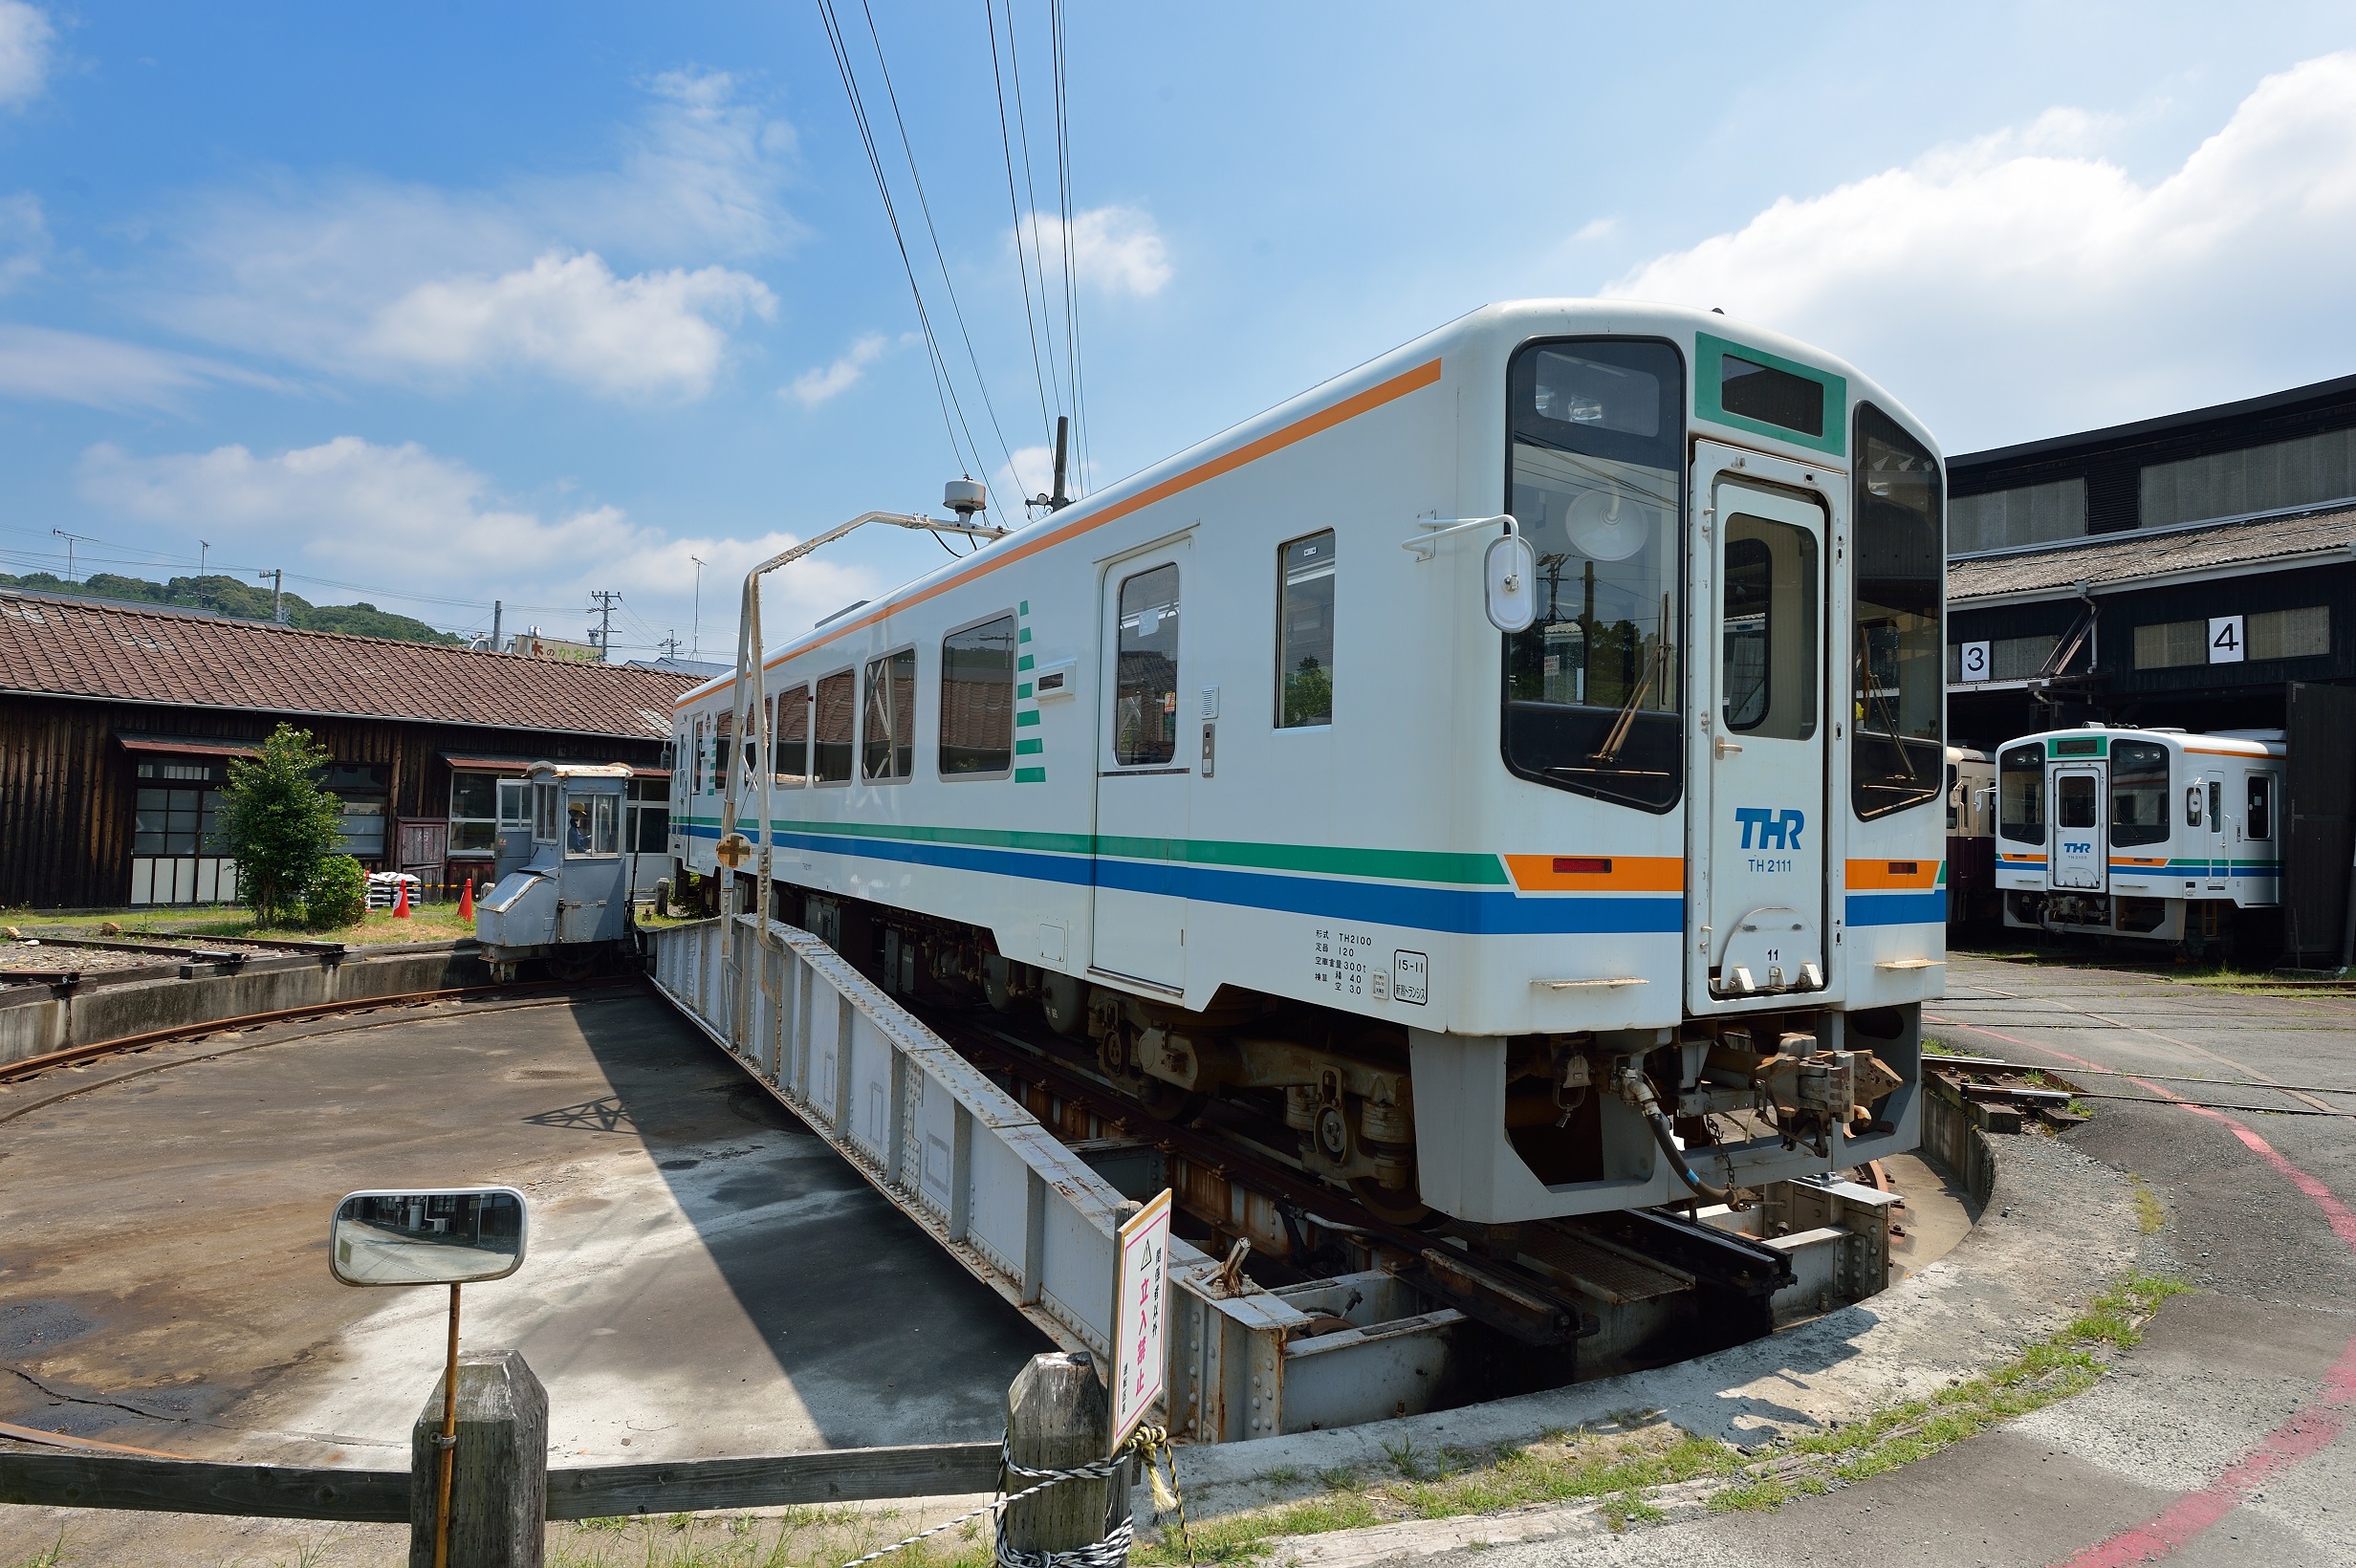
1138, 1356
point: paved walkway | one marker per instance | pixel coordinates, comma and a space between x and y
2225, 1438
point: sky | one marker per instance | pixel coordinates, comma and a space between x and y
435, 305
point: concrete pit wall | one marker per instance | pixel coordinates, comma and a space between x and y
117, 1004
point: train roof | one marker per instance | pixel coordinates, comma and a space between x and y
2246, 743
1408, 368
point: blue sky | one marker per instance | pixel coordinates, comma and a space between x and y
450, 303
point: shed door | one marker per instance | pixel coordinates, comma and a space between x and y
1144, 770
2080, 859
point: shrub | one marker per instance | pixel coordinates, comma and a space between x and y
279, 824
338, 895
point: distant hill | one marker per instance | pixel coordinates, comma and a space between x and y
235, 596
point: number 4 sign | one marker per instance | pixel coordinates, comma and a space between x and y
1138, 1354
2225, 639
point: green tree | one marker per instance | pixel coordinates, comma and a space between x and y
279, 824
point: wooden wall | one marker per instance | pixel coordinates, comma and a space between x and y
66, 788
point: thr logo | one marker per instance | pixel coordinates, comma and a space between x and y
1776, 830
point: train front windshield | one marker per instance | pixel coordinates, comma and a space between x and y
1594, 688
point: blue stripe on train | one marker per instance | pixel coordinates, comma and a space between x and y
1389, 903
1898, 908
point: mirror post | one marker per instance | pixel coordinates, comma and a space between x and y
447, 1442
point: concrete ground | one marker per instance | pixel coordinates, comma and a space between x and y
703, 1277
2224, 1439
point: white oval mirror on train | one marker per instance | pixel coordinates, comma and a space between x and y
1509, 574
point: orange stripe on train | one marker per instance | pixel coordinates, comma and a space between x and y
1866, 876
1597, 873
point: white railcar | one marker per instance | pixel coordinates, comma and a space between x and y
1225, 767
2150, 834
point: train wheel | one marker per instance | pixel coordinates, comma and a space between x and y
1167, 1103
1402, 1209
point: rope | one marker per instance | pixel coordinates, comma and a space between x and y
1112, 1552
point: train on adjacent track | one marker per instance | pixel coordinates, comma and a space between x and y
1504, 781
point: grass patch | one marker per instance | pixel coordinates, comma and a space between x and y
2149, 1215
426, 923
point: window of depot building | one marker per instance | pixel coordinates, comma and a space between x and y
646, 816
2268, 634
1595, 474
474, 812
2020, 793
1305, 632
2138, 793
175, 808
1897, 756
887, 722
367, 802
832, 716
977, 700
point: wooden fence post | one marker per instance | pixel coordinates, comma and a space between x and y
1059, 1416
499, 1483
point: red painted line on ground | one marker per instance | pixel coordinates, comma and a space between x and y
2312, 1427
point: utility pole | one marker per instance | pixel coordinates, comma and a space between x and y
203, 548
71, 540
277, 594
695, 638
498, 607
605, 597
671, 644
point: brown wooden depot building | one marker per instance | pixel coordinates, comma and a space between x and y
118, 724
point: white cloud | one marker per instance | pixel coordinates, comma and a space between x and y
572, 316
102, 373
2042, 287
25, 37
575, 277
815, 387
351, 509
1116, 248
24, 239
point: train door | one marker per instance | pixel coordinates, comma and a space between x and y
2081, 857
2221, 852
1760, 677
1144, 772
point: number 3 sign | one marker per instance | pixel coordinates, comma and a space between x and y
1972, 662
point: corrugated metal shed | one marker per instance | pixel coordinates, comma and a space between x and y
2116, 558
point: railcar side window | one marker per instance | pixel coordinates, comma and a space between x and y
1146, 698
792, 766
2020, 795
589, 827
1770, 638
1899, 549
887, 726
695, 765
830, 729
2138, 793
2261, 806
544, 813
977, 700
1595, 475
723, 733
1305, 632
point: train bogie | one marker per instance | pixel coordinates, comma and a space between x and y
1627, 888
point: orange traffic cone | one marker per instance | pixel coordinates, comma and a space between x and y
401, 902
465, 901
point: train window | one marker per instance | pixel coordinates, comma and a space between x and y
723, 733
589, 825
887, 726
830, 729
1146, 698
1774, 397
2261, 807
2074, 798
1769, 641
645, 816
1305, 632
2138, 793
2020, 793
544, 813
791, 769
1899, 522
1595, 474
977, 700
